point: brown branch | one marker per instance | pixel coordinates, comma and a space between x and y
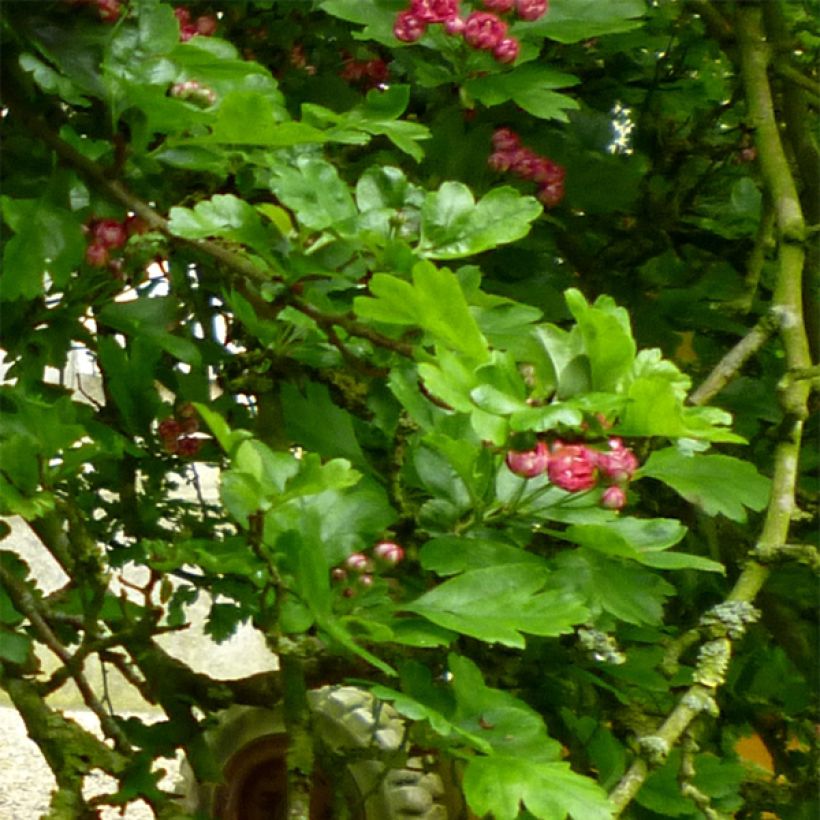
777, 176
234, 261
26, 604
351, 326
729, 366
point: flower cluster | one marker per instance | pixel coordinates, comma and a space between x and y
176, 433
509, 155
367, 73
577, 467
107, 235
361, 567
205, 25
482, 30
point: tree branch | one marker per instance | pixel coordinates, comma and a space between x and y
26, 604
794, 397
729, 366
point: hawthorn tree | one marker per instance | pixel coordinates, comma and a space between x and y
429, 283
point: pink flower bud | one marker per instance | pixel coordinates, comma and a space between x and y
614, 498
338, 574
484, 30
169, 429
187, 31
499, 161
505, 139
434, 11
454, 25
109, 233
109, 10
206, 25
183, 15
96, 255
188, 446
529, 463
573, 467
507, 50
366, 580
388, 552
551, 194
498, 6
357, 562
547, 172
531, 9
408, 28
619, 463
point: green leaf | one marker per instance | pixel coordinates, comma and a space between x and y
498, 785
315, 422
530, 87
497, 604
607, 338
643, 540
147, 317
48, 240
242, 495
15, 647
453, 225
716, 483
434, 301
547, 417
654, 408
273, 470
661, 791
451, 554
51, 82
225, 216
623, 589
379, 114
571, 21
315, 192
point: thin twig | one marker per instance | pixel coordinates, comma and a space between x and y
729, 366
24, 601
787, 301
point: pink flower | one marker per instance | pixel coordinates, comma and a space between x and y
531, 9
408, 27
523, 162
109, 10
551, 194
484, 30
547, 172
507, 50
614, 498
573, 467
188, 446
357, 562
434, 11
529, 463
388, 552
499, 161
206, 25
109, 233
96, 255
619, 463
454, 25
498, 6
505, 139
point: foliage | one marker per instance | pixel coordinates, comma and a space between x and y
273, 228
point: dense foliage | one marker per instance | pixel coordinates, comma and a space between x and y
429, 283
